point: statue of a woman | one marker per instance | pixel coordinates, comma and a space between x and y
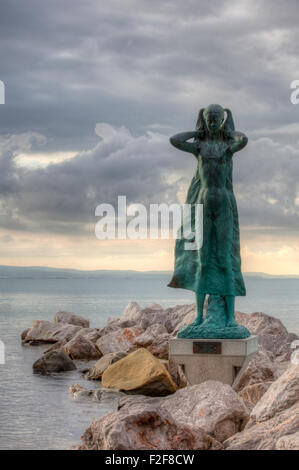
215, 268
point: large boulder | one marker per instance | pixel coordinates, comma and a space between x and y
259, 369
80, 347
268, 435
89, 335
144, 427
281, 395
96, 372
273, 336
155, 339
54, 361
274, 421
122, 339
43, 331
260, 323
211, 406
71, 319
139, 373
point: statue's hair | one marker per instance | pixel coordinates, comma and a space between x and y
227, 127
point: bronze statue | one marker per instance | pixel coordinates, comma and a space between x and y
215, 268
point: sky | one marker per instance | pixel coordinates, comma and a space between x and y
94, 90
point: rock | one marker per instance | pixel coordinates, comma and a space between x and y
109, 397
89, 334
281, 395
54, 361
268, 435
131, 313
155, 339
75, 447
251, 394
177, 373
180, 316
79, 392
122, 339
55, 347
80, 347
144, 428
96, 372
259, 369
151, 315
150, 334
24, 334
92, 334
155, 314
139, 372
273, 336
71, 319
43, 331
260, 323
211, 406
112, 320
117, 325
290, 442
160, 346
274, 419
171, 318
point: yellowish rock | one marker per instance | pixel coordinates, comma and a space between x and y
139, 373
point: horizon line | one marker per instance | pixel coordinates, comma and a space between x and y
131, 270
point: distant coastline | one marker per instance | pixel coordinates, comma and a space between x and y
39, 272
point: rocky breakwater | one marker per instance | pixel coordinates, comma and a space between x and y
197, 417
130, 355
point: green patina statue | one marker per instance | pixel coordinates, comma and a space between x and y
215, 267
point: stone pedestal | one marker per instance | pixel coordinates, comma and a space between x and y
212, 359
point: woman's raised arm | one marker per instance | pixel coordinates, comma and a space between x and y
180, 141
239, 142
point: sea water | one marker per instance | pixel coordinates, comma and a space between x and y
37, 412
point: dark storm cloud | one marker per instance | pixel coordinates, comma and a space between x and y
63, 196
68, 64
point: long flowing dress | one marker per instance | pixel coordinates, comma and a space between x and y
210, 278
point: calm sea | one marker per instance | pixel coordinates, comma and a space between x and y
37, 412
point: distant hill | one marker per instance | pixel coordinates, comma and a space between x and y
39, 272
272, 276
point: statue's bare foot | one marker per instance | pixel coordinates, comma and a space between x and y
231, 324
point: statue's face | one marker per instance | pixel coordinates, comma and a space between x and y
213, 121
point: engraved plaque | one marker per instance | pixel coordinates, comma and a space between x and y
207, 347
